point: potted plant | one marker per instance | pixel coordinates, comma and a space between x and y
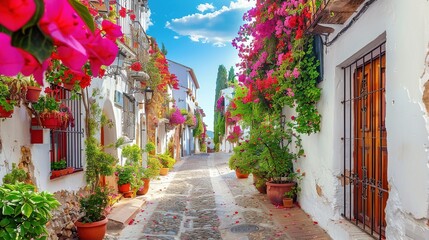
6, 102
48, 110
242, 169
93, 224
25, 212
167, 163
150, 172
125, 178
289, 196
273, 142
33, 90
59, 168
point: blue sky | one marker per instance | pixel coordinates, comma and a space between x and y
198, 34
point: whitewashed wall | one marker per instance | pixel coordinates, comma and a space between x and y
405, 27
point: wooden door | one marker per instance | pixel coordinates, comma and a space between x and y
370, 149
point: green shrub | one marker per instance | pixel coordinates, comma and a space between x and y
153, 167
24, 212
166, 160
217, 147
16, 175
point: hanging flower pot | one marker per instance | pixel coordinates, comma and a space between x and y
33, 93
4, 113
68, 86
51, 121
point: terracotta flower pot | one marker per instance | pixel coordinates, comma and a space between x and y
68, 86
163, 171
262, 189
239, 174
91, 231
124, 187
4, 113
51, 122
33, 93
145, 188
276, 191
288, 202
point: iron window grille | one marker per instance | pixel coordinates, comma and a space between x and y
364, 143
67, 143
129, 116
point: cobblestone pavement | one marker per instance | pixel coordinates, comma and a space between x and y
202, 199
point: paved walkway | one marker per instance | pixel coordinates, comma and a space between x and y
202, 199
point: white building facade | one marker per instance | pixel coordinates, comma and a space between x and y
185, 98
369, 163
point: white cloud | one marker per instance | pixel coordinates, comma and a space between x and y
176, 37
218, 27
204, 7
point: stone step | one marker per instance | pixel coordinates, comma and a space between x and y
123, 212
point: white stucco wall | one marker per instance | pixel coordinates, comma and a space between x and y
404, 25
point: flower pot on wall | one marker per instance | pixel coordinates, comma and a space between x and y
4, 113
124, 188
36, 132
163, 171
51, 122
239, 174
33, 93
276, 191
92, 231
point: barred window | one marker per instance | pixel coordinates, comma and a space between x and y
66, 144
129, 117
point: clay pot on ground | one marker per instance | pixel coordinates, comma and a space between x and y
145, 188
239, 174
288, 202
276, 191
163, 171
124, 188
92, 231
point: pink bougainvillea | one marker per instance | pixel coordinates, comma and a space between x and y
235, 134
61, 31
177, 118
220, 104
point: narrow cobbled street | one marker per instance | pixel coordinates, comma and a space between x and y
202, 199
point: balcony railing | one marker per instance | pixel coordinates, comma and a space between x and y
139, 41
330, 12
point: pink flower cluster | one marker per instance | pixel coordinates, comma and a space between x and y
177, 118
220, 104
235, 134
275, 27
72, 39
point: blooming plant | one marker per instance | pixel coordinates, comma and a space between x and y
277, 66
220, 104
31, 30
176, 117
235, 134
93, 205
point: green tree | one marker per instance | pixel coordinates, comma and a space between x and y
221, 83
231, 75
164, 50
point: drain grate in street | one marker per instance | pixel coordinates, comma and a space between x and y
244, 228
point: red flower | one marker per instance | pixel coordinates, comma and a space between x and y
132, 17
123, 12
136, 66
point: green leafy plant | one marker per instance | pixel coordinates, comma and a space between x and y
166, 160
152, 169
24, 212
7, 98
126, 174
59, 165
217, 147
16, 175
94, 205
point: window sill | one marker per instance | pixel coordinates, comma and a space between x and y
55, 175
